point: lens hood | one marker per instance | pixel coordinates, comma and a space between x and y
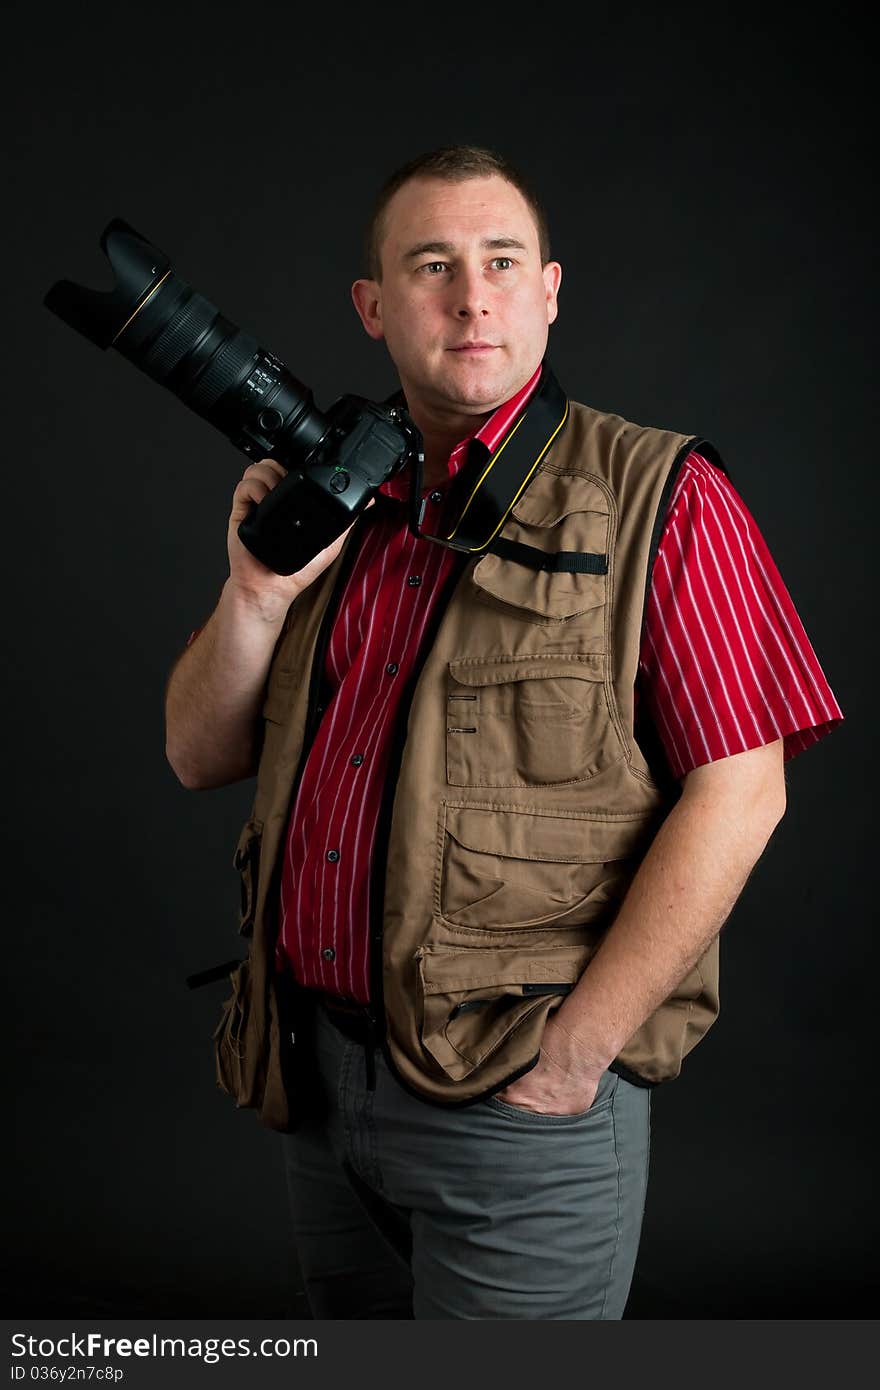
100, 315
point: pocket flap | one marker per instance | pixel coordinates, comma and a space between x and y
551, 496
588, 666
580, 839
447, 969
547, 596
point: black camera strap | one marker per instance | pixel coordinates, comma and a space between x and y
484, 491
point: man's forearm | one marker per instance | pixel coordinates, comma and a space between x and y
214, 693
677, 903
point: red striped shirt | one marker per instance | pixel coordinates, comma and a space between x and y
725, 663
725, 666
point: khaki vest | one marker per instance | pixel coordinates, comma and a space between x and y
518, 803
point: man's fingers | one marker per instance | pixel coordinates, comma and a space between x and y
269, 469
252, 490
266, 474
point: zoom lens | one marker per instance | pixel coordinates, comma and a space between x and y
180, 339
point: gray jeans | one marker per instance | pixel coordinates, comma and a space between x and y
403, 1209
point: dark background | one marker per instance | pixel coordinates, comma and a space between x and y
707, 180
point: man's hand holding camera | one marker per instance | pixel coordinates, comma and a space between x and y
270, 593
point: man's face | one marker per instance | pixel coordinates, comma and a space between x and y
464, 304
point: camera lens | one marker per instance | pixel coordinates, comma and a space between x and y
180, 339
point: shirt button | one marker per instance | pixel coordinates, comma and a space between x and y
328, 953
391, 668
414, 581
436, 496
333, 855
357, 759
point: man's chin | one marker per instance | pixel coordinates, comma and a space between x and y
477, 385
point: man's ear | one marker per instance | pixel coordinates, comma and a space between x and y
552, 273
367, 296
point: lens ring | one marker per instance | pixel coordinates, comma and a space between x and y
236, 353
178, 337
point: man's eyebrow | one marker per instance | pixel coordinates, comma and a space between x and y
446, 248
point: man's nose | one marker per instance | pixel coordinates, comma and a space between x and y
472, 299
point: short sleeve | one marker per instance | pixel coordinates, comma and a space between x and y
725, 664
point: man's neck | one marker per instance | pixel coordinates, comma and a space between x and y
442, 429
440, 438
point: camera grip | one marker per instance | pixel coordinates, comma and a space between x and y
297, 520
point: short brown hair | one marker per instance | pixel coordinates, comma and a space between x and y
454, 163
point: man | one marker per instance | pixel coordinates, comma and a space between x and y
504, 804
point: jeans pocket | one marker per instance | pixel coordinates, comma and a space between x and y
600, 1105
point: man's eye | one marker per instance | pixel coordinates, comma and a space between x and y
432, 266
507, 262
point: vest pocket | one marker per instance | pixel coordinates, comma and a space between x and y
527, 721
508, 870
229, 1037
474, 1000
556, 512
246, 860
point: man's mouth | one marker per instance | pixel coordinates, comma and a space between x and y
475, 347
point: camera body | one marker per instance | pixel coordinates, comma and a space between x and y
320, 498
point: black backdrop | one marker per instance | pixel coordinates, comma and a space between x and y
708, 188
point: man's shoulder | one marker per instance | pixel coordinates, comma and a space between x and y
616, 425
603, 440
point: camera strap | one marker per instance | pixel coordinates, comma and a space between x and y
483, 493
